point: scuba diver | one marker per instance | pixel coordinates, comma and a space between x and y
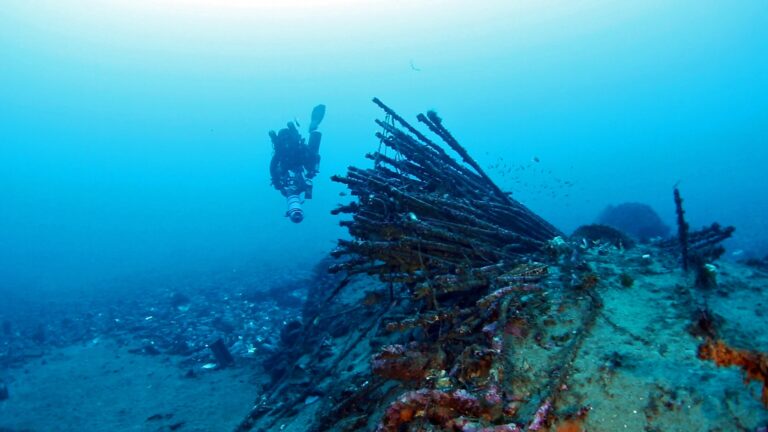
295, 162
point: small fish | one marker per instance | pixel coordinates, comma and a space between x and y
536, 159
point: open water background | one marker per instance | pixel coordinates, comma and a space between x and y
133, 134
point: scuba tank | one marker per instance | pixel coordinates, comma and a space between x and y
313, 144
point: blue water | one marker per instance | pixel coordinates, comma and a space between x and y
133, 135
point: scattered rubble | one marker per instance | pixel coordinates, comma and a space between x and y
189, 324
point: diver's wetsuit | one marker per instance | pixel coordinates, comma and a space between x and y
295, 162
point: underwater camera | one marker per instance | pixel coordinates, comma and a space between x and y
294, 212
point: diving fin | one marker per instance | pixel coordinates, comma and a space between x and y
318, 113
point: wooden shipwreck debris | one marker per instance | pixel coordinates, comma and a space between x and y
699, 247
421, 214
464, 266
451, 306
466, 253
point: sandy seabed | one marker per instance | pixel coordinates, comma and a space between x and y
638, 370
102, 387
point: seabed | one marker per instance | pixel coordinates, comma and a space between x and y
451, 307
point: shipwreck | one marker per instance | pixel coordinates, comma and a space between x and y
454, 307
